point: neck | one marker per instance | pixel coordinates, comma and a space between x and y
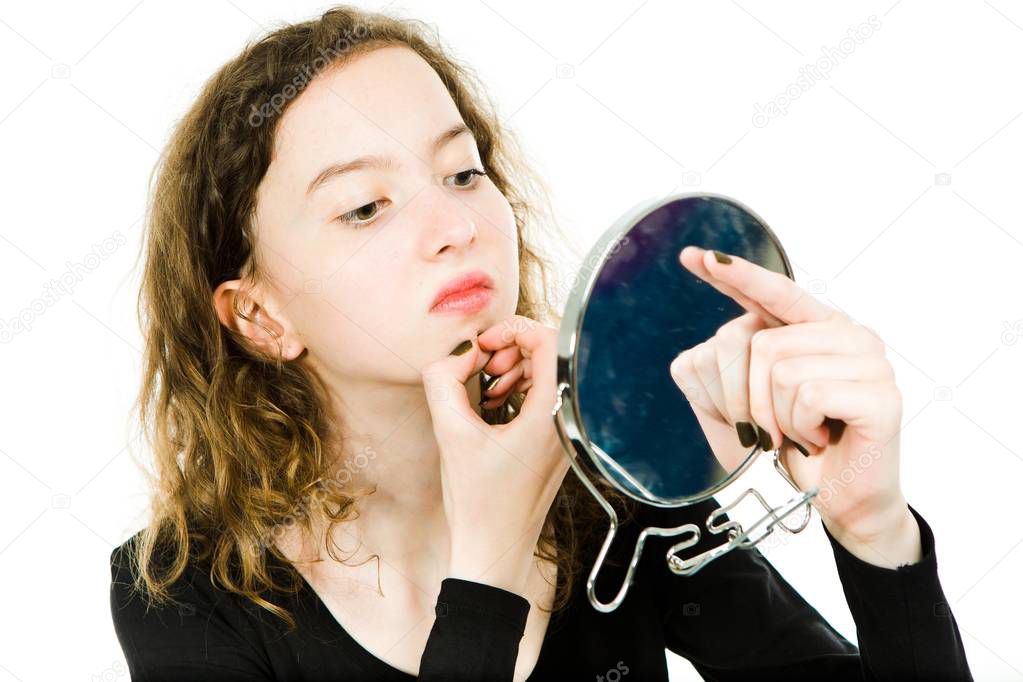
389, 447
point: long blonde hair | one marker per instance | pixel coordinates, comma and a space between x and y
239, 438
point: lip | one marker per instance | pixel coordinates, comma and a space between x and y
468, 292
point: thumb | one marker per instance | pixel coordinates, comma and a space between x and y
444, 383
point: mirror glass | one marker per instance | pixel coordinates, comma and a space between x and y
641, 309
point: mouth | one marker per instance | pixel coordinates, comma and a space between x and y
466, 294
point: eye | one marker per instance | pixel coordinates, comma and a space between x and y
363, 215
467, 177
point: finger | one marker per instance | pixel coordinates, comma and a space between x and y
692, 258
832, 337
683, 373
769, 346
444, 384
733, 343
503, 360
788, 374
781, 296
502, 384
538, 343
527, 370
523, 385
873, 407
504, 333
525, 382
784, 387
706, 363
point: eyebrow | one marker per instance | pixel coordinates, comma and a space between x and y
335, 170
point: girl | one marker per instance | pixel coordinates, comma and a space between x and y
339, 253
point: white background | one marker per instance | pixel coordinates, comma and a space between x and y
894, 185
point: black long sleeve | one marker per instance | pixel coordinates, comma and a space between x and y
741, 619
206, 636
905, 627
199, 637
475, 634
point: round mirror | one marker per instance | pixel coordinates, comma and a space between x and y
626, 321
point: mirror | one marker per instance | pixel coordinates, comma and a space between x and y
619, 409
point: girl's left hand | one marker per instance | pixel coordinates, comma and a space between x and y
810, 368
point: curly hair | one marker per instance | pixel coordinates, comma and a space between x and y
238, 437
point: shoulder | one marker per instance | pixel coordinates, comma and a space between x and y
124, 572
200, 626
132, 606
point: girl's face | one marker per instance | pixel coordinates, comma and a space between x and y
356, 256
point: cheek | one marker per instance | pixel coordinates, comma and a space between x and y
504, 235
359, 323
363, 297
498, 212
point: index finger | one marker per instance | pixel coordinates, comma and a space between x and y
538, 343
692, 258
503, 334
778, 294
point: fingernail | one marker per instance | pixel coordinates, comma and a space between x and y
747, 434
461, 348
800, 448
765, 439
835, 429
722, 257
492, 383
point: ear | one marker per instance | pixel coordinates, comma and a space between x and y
266, 329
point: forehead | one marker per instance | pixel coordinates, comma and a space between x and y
387, 101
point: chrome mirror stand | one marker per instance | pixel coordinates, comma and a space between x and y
738, 537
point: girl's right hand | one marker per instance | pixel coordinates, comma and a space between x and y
498, 481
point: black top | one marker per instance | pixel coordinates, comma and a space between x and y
735, 619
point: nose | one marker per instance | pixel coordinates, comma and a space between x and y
451, 224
